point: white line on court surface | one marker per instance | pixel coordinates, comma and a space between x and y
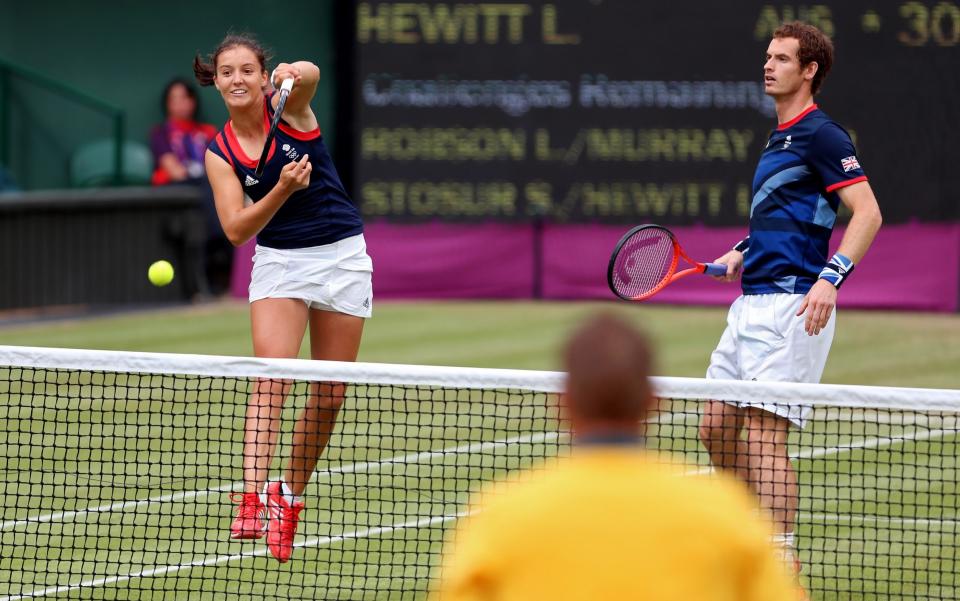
874, 520
869, 443
219, 559
873, 443
349, 468
421, 522
409, 458
321, 475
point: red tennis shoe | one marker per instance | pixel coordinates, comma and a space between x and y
282, 522
249, 522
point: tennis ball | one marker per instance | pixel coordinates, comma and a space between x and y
160, 273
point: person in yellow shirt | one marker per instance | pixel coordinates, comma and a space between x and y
612, 520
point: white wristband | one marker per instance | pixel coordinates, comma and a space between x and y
273, 78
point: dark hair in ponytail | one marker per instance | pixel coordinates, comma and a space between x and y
206, 69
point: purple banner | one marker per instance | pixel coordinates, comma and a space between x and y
496, 261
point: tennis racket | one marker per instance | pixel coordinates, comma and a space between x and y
645, 261
285, 88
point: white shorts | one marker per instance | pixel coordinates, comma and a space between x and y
333, 277
765, 341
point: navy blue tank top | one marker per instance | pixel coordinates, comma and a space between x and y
322, 213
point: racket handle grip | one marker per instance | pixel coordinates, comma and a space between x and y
715, 269
287, 85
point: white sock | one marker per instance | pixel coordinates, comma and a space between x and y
786, 546
785, 539
288, 494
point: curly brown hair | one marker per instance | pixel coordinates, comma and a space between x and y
205, 70
815, 47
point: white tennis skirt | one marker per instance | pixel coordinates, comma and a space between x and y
333, 277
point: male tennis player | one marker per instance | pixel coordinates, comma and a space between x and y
613, 521
310, 267
781, 328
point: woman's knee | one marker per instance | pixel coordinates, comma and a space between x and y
329, 396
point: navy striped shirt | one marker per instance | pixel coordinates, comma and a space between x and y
795, 202
322, 213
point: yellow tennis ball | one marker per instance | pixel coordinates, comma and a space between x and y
160, 273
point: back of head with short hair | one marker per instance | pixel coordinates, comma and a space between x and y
608, 363
815, 47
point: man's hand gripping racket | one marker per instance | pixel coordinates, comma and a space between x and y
645, 261
285, 88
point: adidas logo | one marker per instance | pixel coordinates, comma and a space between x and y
366, 304
250, 181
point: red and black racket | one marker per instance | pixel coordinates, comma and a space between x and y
645, 261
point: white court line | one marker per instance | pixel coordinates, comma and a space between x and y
870, 443
412, 458
841, 518
219, 559
349, 468
321, 475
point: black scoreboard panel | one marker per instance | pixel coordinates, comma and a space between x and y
622, 111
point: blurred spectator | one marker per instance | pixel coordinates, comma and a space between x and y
612, 520
179, 145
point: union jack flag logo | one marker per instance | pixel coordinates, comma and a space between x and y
849, 164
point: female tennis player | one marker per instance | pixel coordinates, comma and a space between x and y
310, 267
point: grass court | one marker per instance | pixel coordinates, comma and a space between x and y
115, 487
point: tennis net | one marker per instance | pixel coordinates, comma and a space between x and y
115, 471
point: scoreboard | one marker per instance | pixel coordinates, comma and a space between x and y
617, 111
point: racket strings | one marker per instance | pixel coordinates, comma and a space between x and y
646, 259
